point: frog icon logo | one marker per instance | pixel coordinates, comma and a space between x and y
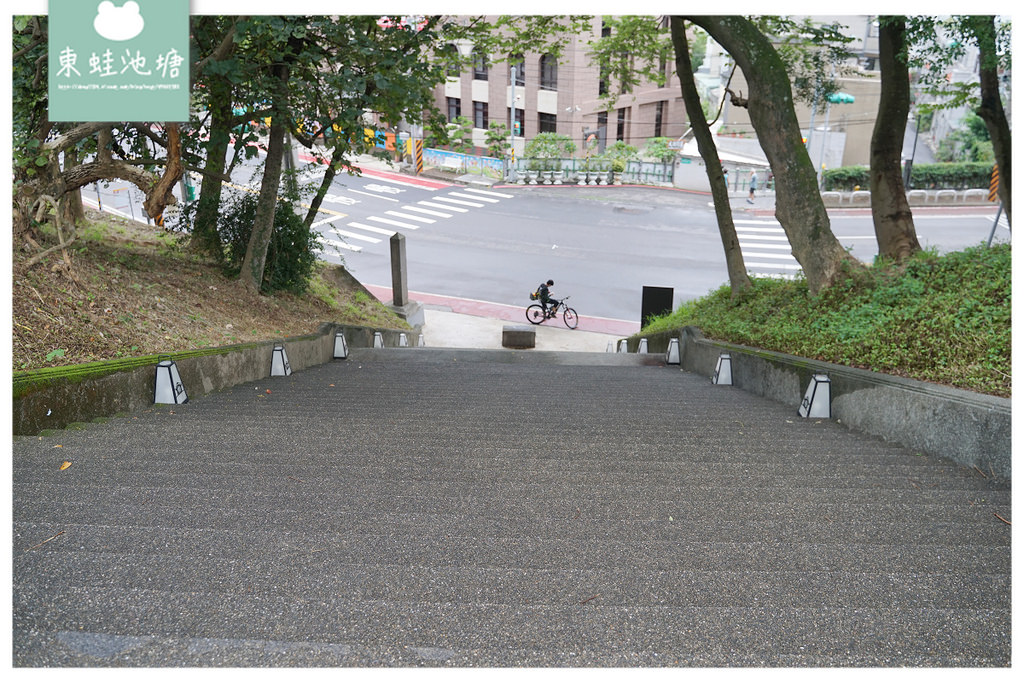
118, 23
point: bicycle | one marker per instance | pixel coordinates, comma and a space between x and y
535, 314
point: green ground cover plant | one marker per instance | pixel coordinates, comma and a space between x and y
943, 319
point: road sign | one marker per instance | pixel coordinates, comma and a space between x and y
676, 144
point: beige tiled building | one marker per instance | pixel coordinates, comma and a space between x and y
563, 97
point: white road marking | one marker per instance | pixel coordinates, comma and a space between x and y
775, 265
355, 236
410, 217
457, 201
341, 245
759, 245
397, 224
373, 194
742, 228
372, 228
444, 206
469, 196
427, 211
490, 193
784, 257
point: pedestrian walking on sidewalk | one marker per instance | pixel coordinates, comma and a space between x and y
753, 186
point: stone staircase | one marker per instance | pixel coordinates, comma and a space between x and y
459, 508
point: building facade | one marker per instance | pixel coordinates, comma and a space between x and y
563, 96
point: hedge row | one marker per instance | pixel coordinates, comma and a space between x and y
963, 176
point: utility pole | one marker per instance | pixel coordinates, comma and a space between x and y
511, 118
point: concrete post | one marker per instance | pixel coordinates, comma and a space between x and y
409, 311
399, 272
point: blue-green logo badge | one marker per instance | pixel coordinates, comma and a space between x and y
118, 60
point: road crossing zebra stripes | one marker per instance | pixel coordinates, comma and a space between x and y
410, 216
765, 248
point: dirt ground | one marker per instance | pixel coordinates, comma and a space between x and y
125, 289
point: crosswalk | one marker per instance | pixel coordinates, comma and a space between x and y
765, 247
342, 232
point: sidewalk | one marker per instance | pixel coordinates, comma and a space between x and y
452, 322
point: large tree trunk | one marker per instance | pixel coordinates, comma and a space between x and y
263, 223
894, 222
162, 194
73, 209
738, 278
991, 109
798, 204
205, 237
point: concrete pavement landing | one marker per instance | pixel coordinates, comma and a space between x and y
468, 323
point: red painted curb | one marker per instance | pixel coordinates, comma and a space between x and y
397, 177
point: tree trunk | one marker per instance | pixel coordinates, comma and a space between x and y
325, 184
263, 223
162, 194
72, 201
894, 222
205, 237
738, 278
798, 205
991, 109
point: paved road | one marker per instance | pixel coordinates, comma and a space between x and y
602, 245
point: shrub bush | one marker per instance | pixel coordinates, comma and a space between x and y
291, 256
942, 319
959, 176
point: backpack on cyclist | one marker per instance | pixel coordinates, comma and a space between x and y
534, 295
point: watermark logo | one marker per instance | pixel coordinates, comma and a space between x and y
118, 23
118, 62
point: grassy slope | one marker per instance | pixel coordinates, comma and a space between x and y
132, 290
939, 319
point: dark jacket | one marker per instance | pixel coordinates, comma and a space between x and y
545, 295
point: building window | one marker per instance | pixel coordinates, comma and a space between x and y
451, 55
519, 62
548, 73
659, 116
480, 114
620, 129
602, 83
454, 108
547, 123
479, 66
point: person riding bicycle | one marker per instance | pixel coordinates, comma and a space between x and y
545, 298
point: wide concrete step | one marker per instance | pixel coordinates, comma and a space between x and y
506, 356
430, 507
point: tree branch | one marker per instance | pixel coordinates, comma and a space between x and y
222, 50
